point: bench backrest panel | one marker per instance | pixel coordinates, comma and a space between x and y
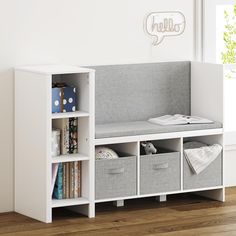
140, 91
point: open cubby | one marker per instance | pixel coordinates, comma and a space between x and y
212, 175
161, 172
130, 148
84, 196
164, 146
81, 82
117, 177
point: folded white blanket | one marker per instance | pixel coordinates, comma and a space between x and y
199, 158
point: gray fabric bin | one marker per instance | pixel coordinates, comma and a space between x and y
210, 177
160, 173
116, 178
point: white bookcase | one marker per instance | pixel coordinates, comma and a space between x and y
33, 126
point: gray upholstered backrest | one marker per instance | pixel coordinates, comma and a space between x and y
140, 91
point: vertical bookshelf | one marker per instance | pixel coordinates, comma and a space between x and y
33, 126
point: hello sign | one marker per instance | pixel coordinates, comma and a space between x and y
164, 24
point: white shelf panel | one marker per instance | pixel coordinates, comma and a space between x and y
69, 202
55, 69
159, 194
70, 114
70, 158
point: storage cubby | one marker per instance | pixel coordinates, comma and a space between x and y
209, 177
116, 178
161, 172
81, 83
84, 198
68, 197
166, 145
82, 152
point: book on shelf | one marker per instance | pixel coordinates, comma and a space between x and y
77, 179
54, 175
64, 180
79, 184
68, 180
71, 180
63, 125
58, 187
67, 186
178, 119
73, 135
69, 134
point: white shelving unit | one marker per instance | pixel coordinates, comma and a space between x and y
33, 125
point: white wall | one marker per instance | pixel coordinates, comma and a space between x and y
84, 32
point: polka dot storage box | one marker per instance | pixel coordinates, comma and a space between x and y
63, 98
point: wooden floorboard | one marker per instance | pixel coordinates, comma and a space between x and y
182, 215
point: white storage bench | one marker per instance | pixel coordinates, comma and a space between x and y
126, 97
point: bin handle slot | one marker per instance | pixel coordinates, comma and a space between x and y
160, 166
116, 171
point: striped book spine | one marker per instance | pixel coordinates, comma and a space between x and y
72, 179
76, 179
79, 178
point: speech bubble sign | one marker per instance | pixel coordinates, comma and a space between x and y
164, 24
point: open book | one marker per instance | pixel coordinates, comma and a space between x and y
179, 120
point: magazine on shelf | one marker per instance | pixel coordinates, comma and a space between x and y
178, 119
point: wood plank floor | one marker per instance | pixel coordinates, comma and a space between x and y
181, 215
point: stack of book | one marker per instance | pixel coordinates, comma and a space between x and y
66, 180
69, 134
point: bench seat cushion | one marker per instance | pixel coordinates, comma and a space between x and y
144, 127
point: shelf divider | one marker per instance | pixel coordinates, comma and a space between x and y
70, 158
70, 114
69, 202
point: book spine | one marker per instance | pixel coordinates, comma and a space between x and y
76, 179
64, 180
67, 180
65, 137
72, 176
58, 192
79, 178
73, 135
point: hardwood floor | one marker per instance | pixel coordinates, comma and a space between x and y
181, 215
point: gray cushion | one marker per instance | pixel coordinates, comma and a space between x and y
137, 92
143, 127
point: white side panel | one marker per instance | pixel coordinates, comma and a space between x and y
91, 212
207, 90
32, 145
230, 164
229, 104
217, 194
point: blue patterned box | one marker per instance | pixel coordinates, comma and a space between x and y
64, 99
